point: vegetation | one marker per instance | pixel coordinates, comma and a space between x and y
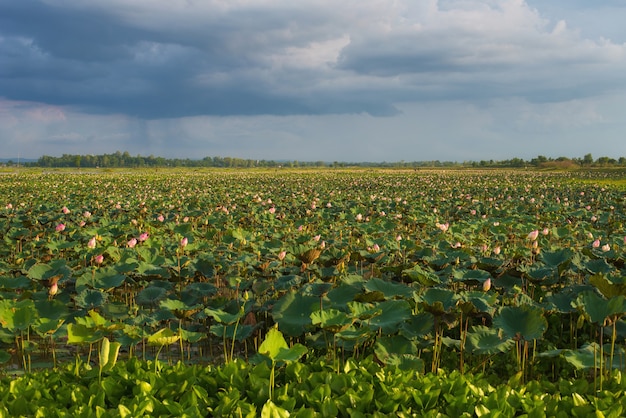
119, 159
373, 292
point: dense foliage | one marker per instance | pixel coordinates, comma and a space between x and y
314, 389
125, 160
508, 274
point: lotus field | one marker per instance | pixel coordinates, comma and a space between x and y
274, 276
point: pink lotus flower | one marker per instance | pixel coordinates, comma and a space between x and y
65, 210
81, 223
359, 217
496, 250
282, 255
323, 245
131, 243
545, 231
160, 218
606, 247
487, 285
87, 214
375, 248
272, 210
399, 238
92, 243
317, 237
60, 227
143, 236
54, 289
533, 235
9, 206
184, 242
596, 244
98, 259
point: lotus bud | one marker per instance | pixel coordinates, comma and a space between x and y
596, 244
98, 259
606, 247
487, 285
282, 255
533, 235
184, 242
54, 289
92, 243
131, 243
60, 227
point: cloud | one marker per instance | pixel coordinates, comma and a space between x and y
157, 59
312, 78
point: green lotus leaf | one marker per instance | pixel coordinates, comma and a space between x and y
150, 296
389, 289
556, 258
588, 357
162, 337
600, 309
332, 320
363, 311
81, 334
240, 331
293, 311
287, 282
421, 275
438, 300
523, 322
393, 313
389, 345
19, 282
607, 287
51, 309
418, 325
476, 275
483, 340
90, 298
57, 268
222, 316
599, 266
17, 316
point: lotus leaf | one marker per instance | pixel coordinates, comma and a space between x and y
521, 322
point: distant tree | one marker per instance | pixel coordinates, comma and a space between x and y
587, 160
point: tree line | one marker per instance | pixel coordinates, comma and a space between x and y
125, 160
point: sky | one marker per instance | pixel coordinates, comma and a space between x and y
311, 80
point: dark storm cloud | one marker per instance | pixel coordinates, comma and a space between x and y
171, 59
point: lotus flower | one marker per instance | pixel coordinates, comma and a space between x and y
496, 250
87, 214
533, 235
60, 227
282, 255
143, 236
184, 242
54, 289
160, 218
98, 259
487, 285
606, 247
65, 210
131, 243
92, 243
359, 217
